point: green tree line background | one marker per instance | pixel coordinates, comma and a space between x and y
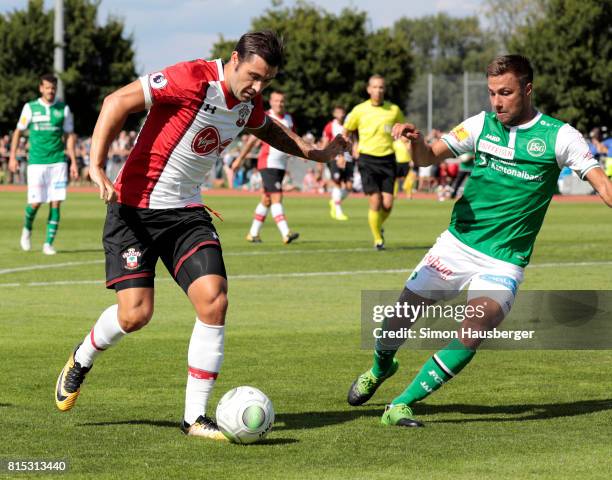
329, 57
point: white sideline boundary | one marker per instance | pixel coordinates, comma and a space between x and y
268, 275
28, 268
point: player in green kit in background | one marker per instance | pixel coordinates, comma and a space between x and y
519, 154
47, 121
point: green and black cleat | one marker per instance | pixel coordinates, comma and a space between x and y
399, 415
366, 385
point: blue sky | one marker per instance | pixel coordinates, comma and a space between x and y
166, 31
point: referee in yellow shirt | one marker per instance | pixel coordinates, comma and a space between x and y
373, 120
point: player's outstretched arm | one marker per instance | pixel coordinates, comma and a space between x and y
115, 109
281, 138
13, 166
71, 149
422, 153
601, 183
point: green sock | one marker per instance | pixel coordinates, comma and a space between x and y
30, 214
52, 224
438, 370
383, 359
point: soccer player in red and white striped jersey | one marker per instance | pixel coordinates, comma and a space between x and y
341, 168
272, 164
155, 208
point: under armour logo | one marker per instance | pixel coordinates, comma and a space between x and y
209, 108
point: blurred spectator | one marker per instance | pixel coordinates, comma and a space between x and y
5, 175
288, 185
22, 161
314, 181
427, 175
83, 147
254, 183
118, 154
465, 170
596, 146
309, 182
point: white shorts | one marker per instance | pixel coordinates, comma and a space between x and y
450, 265
47, 183
426, 171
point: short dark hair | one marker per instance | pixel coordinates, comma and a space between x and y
266, 44
517, 64
48, 77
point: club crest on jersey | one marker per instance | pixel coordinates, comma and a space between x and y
208, 141
158, 80
536, 147
243, 114
131, 256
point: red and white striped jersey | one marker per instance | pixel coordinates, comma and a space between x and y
331, 130
192, 118
270, 157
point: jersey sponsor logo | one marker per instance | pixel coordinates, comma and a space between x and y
507, 282
158, 80
207, 141
434, 262
498, 167
459, 133
131, 256
493, 138
39, 117
243, 115
496, 150
536, 147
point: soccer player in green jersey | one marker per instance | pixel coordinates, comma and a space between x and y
519, 154
49, 121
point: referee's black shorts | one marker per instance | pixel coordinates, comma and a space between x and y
377, 173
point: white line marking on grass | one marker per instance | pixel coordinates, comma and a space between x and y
293, 275
228, 254
45, 267
569, 264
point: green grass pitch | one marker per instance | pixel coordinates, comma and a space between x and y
509, 415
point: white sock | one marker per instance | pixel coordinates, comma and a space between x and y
279, 217
204, 360
337, 199
258, 219
105, 333
343, 193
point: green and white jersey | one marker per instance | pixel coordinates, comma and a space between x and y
47, 125
514, 178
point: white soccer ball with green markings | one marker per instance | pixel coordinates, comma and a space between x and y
245, 415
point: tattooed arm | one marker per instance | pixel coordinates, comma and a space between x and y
280, 137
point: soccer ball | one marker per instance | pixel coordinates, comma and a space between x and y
245, 415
